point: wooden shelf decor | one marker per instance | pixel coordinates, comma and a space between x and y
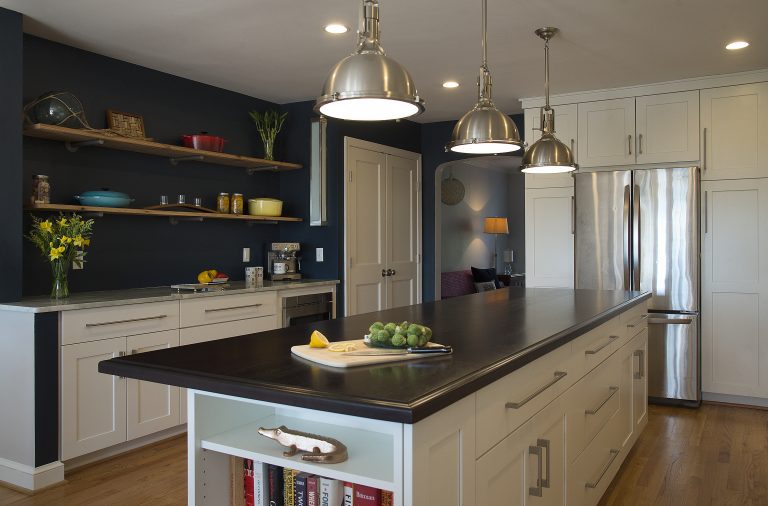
75, 138
174, 216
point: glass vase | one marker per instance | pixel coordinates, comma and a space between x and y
269, 147
60, 285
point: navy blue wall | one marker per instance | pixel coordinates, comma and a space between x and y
10, 154
128, 251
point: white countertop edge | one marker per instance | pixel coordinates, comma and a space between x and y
87, 300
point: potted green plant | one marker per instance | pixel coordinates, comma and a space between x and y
268, 123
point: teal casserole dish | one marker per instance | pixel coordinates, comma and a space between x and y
104, 198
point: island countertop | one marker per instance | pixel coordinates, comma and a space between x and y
492, 333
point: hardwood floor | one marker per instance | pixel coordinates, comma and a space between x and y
716, 455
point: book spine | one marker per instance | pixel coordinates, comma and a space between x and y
312, 492
275, 486
300, 490
331, 492
248, 482
387, 498
260, 491
367, 496
289, 486
237, 480
348, 493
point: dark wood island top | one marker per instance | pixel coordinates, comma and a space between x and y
492, 333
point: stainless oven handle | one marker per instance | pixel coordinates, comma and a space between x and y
214, 310
132, 320
670, 321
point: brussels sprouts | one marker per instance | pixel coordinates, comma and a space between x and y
413, 340
415, 329
383, 336
428, 333
390, 327
376, 327
405, 326
398, 340
423, 340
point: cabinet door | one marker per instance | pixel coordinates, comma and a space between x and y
151, 407
668, 127
549, 237
566, 126
606, 133
735, 287
402, 244
528, 466
734, 122
92, 403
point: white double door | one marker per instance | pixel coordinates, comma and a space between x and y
382, 235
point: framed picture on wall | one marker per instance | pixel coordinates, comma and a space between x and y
125, 123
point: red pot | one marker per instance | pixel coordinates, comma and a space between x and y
204, 141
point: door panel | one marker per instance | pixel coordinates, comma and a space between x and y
606, 133
402, 231
668, 127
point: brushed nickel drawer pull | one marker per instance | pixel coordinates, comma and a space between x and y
121, 354
557, 377
214, 310
601, 347
594, 411
614, 454
640, 374
117, 322
633, 325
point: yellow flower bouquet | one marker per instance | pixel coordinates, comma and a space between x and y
61, 241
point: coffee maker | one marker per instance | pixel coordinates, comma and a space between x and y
283, 261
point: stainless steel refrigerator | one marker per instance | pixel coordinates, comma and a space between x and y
639, 230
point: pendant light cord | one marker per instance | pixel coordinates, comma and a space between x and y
546, 73
485, 34
484, 81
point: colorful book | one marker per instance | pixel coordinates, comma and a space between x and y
331, 492
275, 485
367, 496
248, 481
348, 493
387, 498
289, 486
312, 491
300, 490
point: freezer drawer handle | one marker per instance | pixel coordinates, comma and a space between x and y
232, 307
594, 411
633, 325
117, 322
614, 454
670, 321
557, 377
601, 347
640, 374
541, 482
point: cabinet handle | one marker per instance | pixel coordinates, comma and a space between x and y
640, 374
614, 454
557, 377
573, 148
573, 215
594, 411
640, 144
629, 143
541, 482
116, 322
704, 150
214, 310
633, 325
600, 348
706, 212
121, 354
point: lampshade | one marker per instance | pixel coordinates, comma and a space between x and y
368, 85
495, 225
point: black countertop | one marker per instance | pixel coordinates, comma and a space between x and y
492, 333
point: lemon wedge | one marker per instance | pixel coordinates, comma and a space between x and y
341, 347
318, 340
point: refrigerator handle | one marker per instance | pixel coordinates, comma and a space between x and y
636, 238
626, 239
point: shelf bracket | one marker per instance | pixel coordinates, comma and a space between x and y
190, 158
176, 219
254, 170
72, 147
261, 222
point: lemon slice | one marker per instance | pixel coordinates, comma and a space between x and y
341, 347
318, 340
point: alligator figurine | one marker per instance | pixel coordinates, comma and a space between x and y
320, 449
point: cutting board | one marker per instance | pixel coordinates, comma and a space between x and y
338, 359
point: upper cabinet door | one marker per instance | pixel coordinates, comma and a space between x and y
668, 127
566, 128
607, 133
734, 122
549, 237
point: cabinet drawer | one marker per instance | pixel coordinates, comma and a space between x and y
86, 325
591, 403
635, 320
590, 474
595, 346
507, 403
214, 331
224, 308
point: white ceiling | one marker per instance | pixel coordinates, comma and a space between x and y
277, 50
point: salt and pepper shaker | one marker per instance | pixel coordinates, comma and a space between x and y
163, 200
198, 202
182, 199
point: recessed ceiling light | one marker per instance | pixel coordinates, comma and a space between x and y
737, 44
450, 84
336, 28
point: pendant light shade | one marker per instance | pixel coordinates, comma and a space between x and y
368, 85
484, 129
547, 155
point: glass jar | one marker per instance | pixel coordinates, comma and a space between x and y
41, 190
237, 203
222, 203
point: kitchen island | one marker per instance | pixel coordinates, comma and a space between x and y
477, 427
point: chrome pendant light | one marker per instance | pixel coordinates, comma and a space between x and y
484, 130
368, 85
547, 155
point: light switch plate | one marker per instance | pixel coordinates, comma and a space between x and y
246, 254
319, 254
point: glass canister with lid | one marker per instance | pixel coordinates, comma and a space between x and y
237, 203
41, 190
222, 203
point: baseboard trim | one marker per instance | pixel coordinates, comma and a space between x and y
28, 478
735, 400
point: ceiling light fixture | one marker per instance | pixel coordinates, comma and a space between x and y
737, 44
547, 155
450, 84
368, 85
335, 28
484, 129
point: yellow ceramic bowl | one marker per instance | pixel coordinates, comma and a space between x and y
265, 207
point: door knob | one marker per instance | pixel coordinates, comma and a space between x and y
391, 272
383, 273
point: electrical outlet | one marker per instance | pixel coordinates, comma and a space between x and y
78, 262
319, 254
246, 254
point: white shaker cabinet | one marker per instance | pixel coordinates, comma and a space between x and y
735, 287
667, 127
734, 129
606, 133
566, 130
549, 237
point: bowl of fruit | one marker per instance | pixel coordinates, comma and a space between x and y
398, 335
212, 277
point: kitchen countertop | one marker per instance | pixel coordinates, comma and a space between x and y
85, 300
492, 333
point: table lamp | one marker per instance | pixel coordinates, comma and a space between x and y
495, 225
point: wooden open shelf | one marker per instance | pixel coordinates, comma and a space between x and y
74, 138
173, 215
